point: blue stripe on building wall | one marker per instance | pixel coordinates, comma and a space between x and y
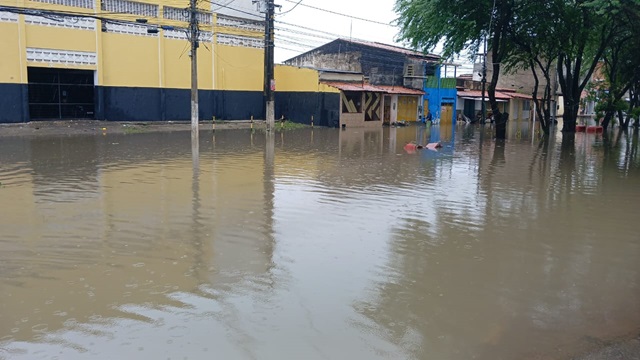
153, 104
14, 107
299, 107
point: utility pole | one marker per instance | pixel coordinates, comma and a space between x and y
194, 39
269, 81
484, 81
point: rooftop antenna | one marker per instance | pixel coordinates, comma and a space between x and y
351, 31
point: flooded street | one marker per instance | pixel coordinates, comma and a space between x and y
317, 244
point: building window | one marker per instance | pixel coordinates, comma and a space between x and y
351, 102
410, 71
131, 7
87, 4
182, 14
526, 105
66, 22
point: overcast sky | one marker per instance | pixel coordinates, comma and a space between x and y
293, 39
377, 10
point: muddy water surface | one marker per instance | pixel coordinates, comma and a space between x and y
317, 244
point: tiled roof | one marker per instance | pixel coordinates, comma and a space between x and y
347, 86
400, 90
499, 95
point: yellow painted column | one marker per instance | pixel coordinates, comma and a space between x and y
99, 52
214, 42
22, 42
161, 64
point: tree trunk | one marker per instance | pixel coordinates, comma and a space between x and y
624, 123
570, 116
497, 52
501, 125
607, 119
543, 106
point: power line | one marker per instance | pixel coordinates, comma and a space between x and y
305, 33
290, 10
341, 14
292, 42
286, 48
310, 29
232, 8
225, 5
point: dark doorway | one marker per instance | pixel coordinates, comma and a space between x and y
56, 94
470, 109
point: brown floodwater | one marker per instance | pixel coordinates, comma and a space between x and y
317, 244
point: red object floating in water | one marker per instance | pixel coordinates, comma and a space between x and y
581, 128
595, 129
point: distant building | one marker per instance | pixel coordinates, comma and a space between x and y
411, 81
515, 91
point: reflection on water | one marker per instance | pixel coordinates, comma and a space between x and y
317, 244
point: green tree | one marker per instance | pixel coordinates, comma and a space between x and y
521, 33
588, 27
620, 62
535, 36
459, 25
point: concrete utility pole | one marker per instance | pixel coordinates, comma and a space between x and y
194, 39
484, 81
269, 81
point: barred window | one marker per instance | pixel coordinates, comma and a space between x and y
53, 56
8, 17
131, 29
178, 14
62, 21
87, 4
130, 7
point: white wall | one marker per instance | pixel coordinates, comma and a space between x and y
394, 109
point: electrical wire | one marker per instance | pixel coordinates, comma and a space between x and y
290, 10
341, 14
316, 30
225, 5
305, 33
231, 8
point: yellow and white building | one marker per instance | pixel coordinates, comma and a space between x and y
97, 59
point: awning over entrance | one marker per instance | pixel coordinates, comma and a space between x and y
353, 86
397, 90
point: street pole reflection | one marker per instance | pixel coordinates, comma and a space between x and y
269, 193
195, 152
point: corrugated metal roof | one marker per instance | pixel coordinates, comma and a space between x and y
393, 48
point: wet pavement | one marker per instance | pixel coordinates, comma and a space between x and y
319, 244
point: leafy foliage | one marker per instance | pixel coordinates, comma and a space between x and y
564, 37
